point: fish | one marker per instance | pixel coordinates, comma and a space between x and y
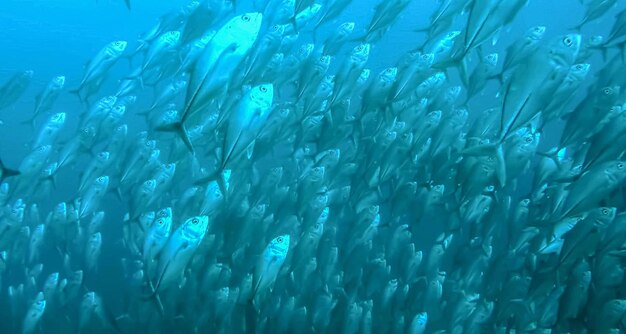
178, 251
14, 88
100, 64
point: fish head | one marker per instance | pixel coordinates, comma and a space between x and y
564, 49
346, 28
118, 46
171, 37
425, 60
101, 182
195, 228
42, 151
245, 26
452, 35
95, 240
277, 30
163, 225
321, 220
89, 300
280, 245
605, 214
28, 74
213, 191
59, 81
388, 74
263, 96
148, 186
579, 71
205, 39
190, 8
58, 118
165, 212
60, 209
323, 62
39, 304
169, 168
536, 32
491, 59
361, 53
365, 74
609, 93
258, 211
421, 318
180, 84
594, 41
121, 130
52, 279
103, 156
615, 171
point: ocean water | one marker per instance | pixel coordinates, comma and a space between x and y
382, 242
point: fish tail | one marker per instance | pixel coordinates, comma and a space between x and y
179, 129
76, 92
251, 316
553, 155
7, 172
30, 122
154, 290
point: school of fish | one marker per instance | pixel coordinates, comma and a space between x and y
278, 185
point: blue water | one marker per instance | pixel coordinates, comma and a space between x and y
55, 38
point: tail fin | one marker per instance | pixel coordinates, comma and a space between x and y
30, 122
181, 131
76, 92
6, 172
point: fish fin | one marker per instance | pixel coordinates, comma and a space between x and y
552, 154
251, 316
127, 2
76, 92
30, 122
6, 172
155, 290
179, 129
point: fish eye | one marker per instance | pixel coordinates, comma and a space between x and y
279, 240
317, 226
246, 18
620, 165
359, 48
160, 221
101, 179
607, 91
276, 27
579, 67
168, 166
195, 221
567, 41
529, 139
263, 89
101, 154
605, 211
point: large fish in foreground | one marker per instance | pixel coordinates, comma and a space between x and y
178, 251
213, 69
97, 68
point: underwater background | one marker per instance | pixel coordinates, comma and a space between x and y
281, 166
